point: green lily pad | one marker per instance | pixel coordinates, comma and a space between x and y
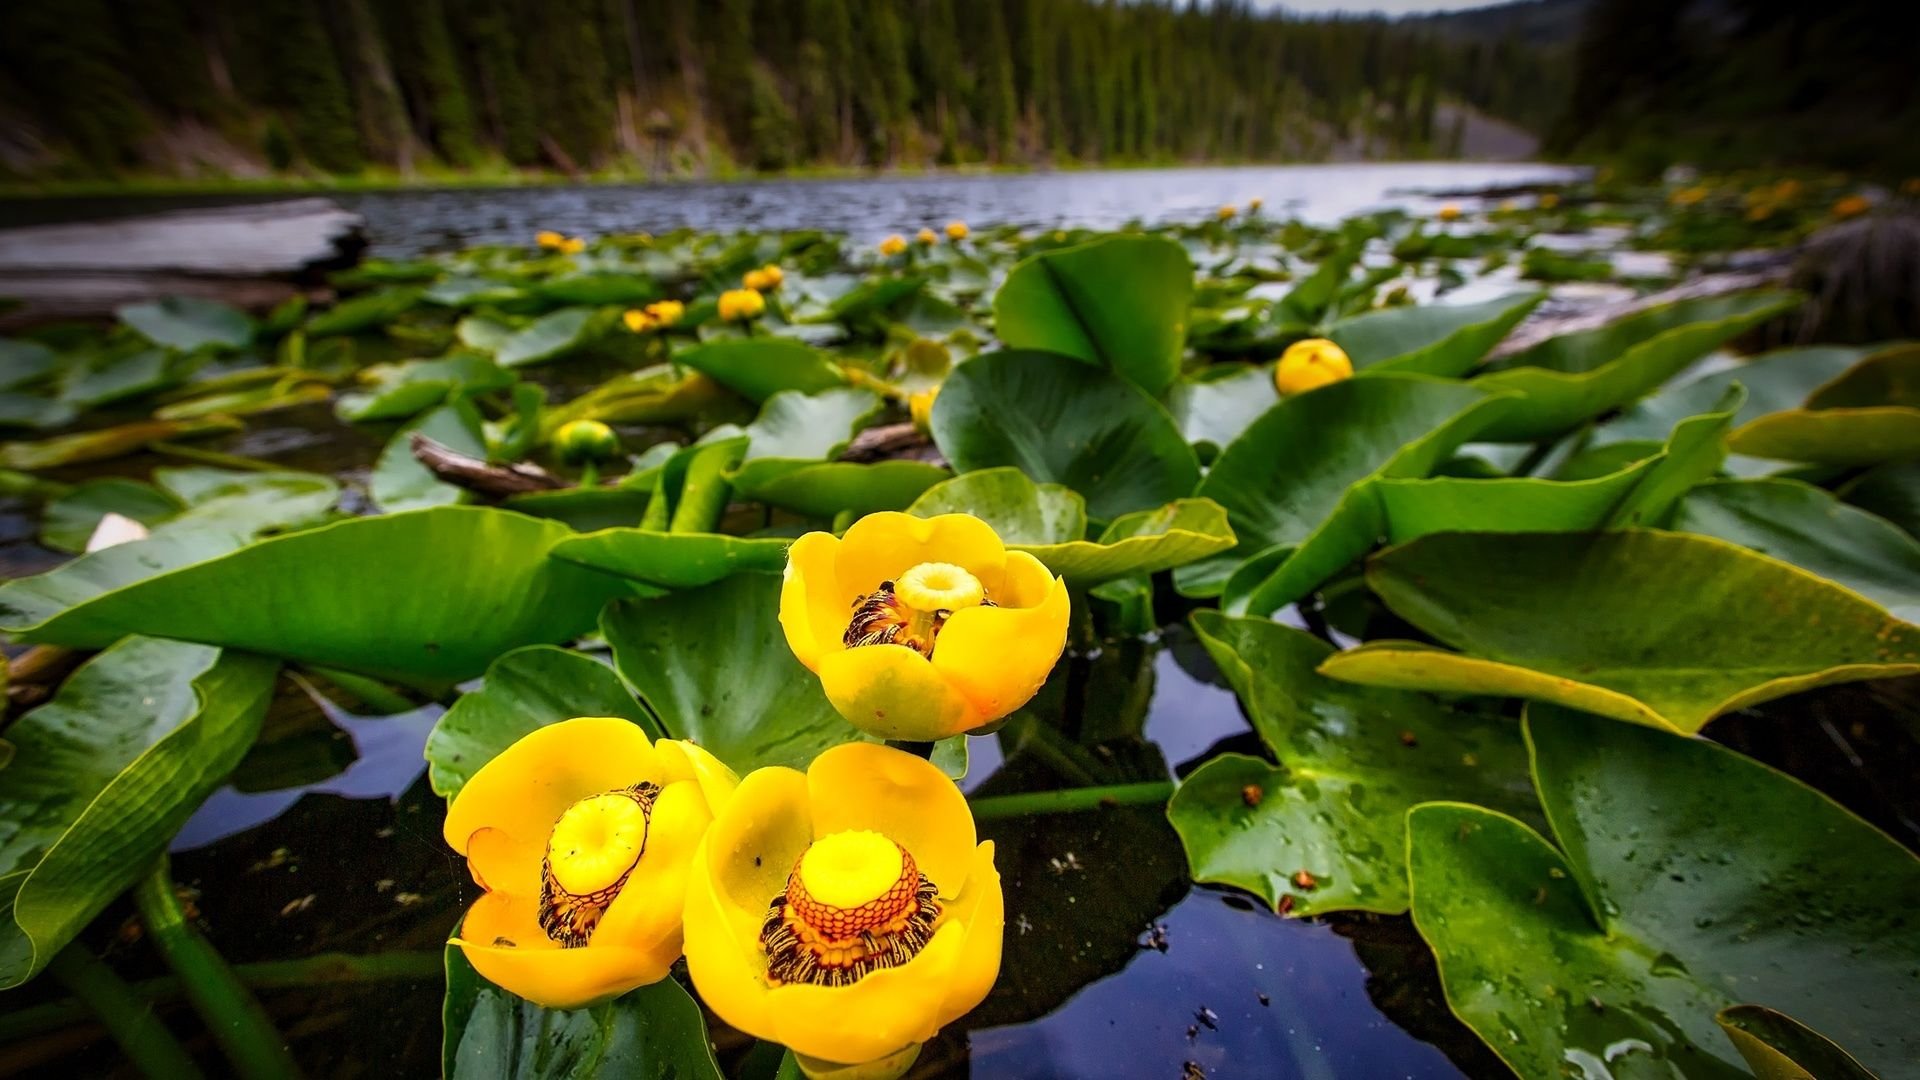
1216, 404
810, 427
1318, 500
399, 391
189, 323
660, 394
1692, 879
427, 597
25, 362
1891, 491
1431, 339
673, 560
525, 690
1665, 629
1810, 528
102, 380
1119, 303
1778, 1047
599, 287
1849, 437
35, 413
1574, 377
1143, 542
550, 337
713, 665
1890, 377
400, 482
1065, 422
1021, 512
758, 368
654, 1033
1774, 381
106, 773
367, 312
826, 489
1352, 760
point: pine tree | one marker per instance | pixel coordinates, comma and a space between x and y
77, 75
574, 92
308, 84
507, 98
442, 88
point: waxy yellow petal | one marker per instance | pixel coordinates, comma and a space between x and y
526, 788
905, 798
502, 939
893, 692
881, 547
998, 657
814, 607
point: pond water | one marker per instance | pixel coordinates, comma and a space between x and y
403, 223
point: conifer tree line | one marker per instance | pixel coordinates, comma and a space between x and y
101, 87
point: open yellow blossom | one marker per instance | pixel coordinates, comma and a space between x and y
957, 231
572, 245
547, 238
847, 913
1449, 212
1852, 206
1225, 212
665, 312
893, 245
763, 279
739, 305
921, 628
638, 321
1310, 365
583, 834
926, 237
920, 407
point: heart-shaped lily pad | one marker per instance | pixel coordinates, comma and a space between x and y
1688, 879
1119, 303
1431, 339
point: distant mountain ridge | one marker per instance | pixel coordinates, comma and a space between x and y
1534, 22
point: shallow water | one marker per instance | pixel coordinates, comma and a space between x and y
407, 222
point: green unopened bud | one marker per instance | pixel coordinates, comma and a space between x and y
583, 441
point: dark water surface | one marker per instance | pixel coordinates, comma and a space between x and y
408, 222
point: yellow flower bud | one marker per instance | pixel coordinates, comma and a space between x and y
1225, 212
1449, 212
773, 276
582, 836
1254, 205
951, 632
547, 238
665, 313
581, 441
572, 245
1310, 365
849, 912
893, 245
957, 230
756, 280
638, 321
739, 305
920, 407
925, 238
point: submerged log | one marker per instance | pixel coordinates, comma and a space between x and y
251, 255
478, 475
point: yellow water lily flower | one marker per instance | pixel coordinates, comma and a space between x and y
1449, 212
920, 407
893, 245
583, 835
738, 305
847, 913
572, 245
665, 312
957, 231
763, 279
638, 321
925, 238
1225, 212
1254, 205
1310, 365
921, 628
1852, 206
580, 441
547, 238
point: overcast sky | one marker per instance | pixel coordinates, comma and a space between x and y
1360, 7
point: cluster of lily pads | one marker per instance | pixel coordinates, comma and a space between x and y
1478, 589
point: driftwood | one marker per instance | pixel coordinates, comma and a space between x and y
252, 255
479, 476
890, 442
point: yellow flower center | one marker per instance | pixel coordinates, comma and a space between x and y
911, 610
854, 903
590, 852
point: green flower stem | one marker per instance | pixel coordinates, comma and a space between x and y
590, 474
126, 1015
237, 1021
323, 969
372, 693
1071, 800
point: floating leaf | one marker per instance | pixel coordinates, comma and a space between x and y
810, 427
599, 287
102, 380
673, 560
189, 323
25, 362
549, 337
1216, 404
1021, 512
758, 368
1119, 303
1061, 421
1774, 381
660, 394
1891, 491
826, 489
1352, 760
400, 482
1299, 478
1891, 377
368, 312
1665, 629
1803, 525
525, 690
399, 391
429, 596
1143, 542
1849, 437
1778, 1047
1575, 377
654, 1033
1431, 339
103, 444
1693, 879
106, 773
